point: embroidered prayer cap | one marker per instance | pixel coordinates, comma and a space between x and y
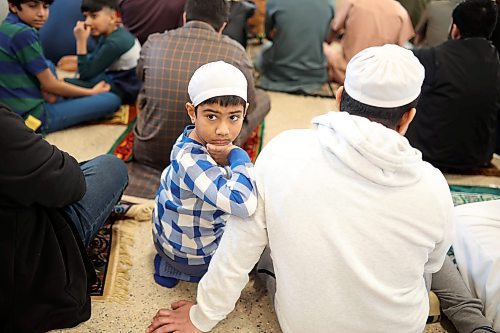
384, 76
216, 79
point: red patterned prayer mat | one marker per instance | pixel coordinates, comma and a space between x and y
123, 145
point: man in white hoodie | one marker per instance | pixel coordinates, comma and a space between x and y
352, 215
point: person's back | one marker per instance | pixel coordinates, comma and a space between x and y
414, 8
295, 61
456, 121
168, 61
434, 25
374, 23
367, 210
146, 17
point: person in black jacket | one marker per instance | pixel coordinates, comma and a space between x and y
456, 120
50, 209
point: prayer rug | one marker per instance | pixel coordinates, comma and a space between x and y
109, 251
468, 194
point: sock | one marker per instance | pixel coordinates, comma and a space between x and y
162, 280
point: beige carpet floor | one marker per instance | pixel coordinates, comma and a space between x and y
253, 312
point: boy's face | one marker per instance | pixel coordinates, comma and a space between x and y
102, 22
216, 124
33, 13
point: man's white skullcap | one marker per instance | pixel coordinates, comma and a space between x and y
384, 76
216, 79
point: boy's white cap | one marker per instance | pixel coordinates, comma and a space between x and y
384, 76
216, 79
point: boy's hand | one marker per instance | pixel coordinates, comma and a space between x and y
49, 97
81, 31
100, 88
220, 153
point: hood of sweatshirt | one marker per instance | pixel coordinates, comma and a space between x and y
370, 149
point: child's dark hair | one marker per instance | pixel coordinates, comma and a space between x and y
213, 12
224, 101
18, 3
388, 117
475, 18
93, 6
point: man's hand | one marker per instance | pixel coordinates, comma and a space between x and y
100, 88
81, 32
220, 153
175, 320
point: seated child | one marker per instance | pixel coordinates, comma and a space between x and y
208, 179
116, 54
26, 78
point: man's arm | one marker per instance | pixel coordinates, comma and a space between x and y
51, 84
240, 249
33, 171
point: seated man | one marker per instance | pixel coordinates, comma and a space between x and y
51, 208
337, 207
361, 24
456, 123
294, 61
477, 252
434, 25
168, 61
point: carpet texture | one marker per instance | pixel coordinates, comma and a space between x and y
109, 251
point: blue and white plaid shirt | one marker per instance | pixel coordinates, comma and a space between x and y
195, 199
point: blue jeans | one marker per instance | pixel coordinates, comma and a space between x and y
106, 178
67, 112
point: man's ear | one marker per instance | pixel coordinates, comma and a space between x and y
191, 112
405, 121
223, 26
455, 32
338, 96
184, 18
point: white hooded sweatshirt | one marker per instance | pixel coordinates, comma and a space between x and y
353, 218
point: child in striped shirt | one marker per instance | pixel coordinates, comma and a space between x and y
208, 179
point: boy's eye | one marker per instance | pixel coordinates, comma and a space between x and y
211, 117
46, 6
234, 118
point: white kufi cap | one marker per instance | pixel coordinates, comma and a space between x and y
216, 79
384, 76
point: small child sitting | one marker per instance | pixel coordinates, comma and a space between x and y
27, 83
116, 54
208, 179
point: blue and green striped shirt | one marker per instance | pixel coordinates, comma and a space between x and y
21, 59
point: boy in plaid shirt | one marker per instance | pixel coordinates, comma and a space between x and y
208, 179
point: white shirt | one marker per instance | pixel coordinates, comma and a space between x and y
353, 217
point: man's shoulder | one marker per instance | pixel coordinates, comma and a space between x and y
193, 35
